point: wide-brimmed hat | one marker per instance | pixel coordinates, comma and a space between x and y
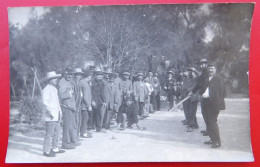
126, 73
203, 60
78, 71
51, 75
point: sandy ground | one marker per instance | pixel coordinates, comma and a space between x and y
165, 139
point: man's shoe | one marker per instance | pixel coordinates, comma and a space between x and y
205, 134
183, 120
215, 145
208, 142
87, 135
77, 143
195, 127
189, 130
203, 131
50, 154
56, 151
68, 146
129, 127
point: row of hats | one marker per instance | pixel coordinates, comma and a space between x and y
192, 68
53, 74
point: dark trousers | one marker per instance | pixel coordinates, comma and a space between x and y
186, 108
158, 102
99, 117
212, 118
204, 112
192, 120
107, 119
78, 122
153, 101
69, 135
84, 122
170, 98
190, 110
141, 109
91, 122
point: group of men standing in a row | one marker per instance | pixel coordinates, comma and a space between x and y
90, 100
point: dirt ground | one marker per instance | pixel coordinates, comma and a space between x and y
165, 139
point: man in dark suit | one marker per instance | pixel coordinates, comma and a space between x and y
98, 99
201, 86
113, 94
212, 103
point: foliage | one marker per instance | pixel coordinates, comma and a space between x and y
31, 112
126, 37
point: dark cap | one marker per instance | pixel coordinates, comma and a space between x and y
211, 65
112, 75
69, 70
203, 60
140, 74
99, 73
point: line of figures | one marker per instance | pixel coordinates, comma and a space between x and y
95, 100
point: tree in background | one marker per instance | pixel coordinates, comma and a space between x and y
134, 38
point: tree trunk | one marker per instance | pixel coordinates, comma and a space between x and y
13, 90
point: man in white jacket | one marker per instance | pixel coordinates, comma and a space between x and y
52, 116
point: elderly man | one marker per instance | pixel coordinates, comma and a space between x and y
113, 100
68, 103
126, 85
99, 101
212, 103
86, 108
78, 73
140, 93
52, 115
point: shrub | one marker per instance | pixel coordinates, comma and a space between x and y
31, 111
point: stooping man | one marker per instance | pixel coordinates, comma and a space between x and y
99, 101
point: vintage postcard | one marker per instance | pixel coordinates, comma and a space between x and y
130, 83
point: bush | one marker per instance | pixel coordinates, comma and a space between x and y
31, 111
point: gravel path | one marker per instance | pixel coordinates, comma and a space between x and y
165, 139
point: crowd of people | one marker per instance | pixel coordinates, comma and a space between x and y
94, 100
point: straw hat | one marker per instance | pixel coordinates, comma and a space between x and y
51, 75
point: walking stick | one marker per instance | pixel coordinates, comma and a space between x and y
186, 98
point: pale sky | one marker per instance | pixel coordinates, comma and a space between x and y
20, 16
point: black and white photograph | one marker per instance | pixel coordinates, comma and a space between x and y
130, 83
